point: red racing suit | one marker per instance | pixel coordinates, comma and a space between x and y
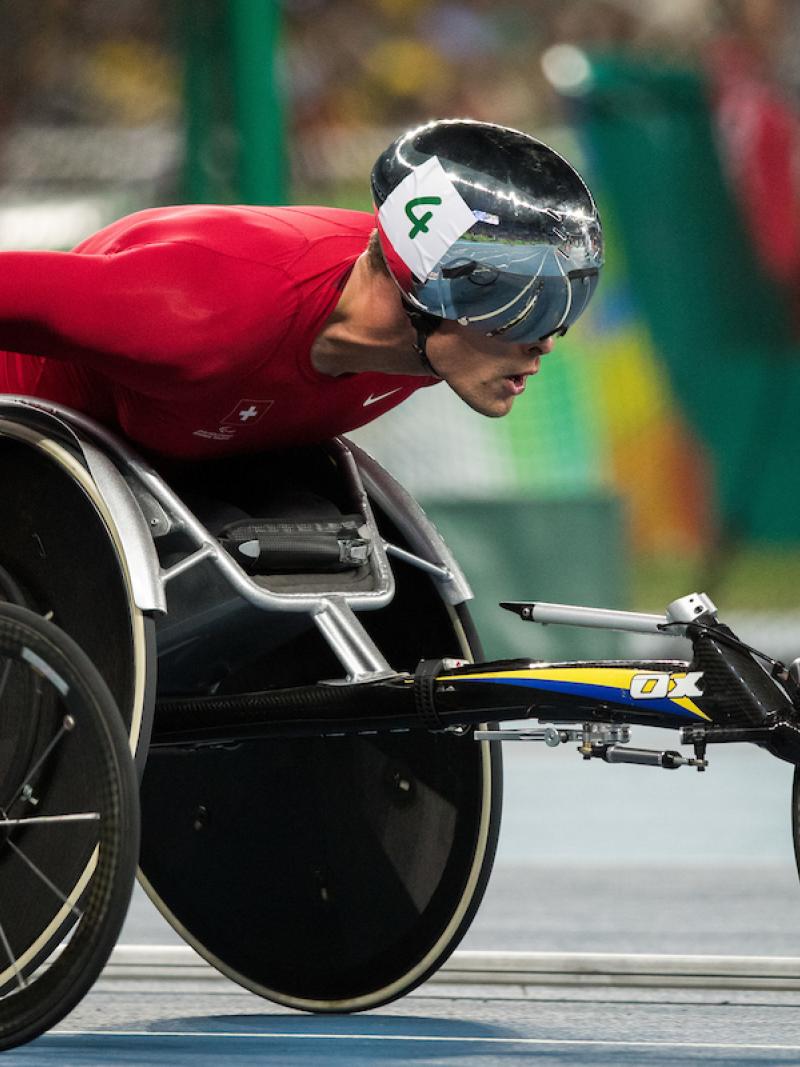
189, 329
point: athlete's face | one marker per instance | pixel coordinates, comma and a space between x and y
488, 374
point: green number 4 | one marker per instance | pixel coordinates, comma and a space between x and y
420, 223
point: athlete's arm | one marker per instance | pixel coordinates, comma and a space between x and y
172, 310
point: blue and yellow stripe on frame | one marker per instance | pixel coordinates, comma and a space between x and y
632, 687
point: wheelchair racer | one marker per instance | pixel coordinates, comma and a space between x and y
201, 331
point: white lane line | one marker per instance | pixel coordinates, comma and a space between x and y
465, 967
537, 1041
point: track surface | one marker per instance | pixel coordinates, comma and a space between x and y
601, 1027
592, 859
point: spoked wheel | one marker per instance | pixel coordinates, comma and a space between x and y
69, 824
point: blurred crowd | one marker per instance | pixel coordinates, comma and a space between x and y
86, 62
350, 66
93, 94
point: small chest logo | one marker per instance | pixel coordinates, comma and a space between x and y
373, 399
247, 412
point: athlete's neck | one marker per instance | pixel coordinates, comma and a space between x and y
368, 330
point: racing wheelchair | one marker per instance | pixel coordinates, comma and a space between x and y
260, 685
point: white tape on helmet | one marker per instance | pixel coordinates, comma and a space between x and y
424, 216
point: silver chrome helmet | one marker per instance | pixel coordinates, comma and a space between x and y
487, 226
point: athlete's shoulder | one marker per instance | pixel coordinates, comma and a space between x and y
318, 222
245, 232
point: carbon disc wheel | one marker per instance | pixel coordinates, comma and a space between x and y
328, 874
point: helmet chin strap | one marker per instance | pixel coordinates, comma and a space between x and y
421, 348
424, 325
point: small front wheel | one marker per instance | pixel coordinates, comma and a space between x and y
796, 816
69, 824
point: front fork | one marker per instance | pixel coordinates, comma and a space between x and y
742, 698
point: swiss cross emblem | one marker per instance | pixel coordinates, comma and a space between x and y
247, 412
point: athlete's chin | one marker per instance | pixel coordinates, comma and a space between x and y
494, 408
493, 403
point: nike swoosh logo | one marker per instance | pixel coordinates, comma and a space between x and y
381, 396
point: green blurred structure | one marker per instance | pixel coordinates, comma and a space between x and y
720, 324
568, 551
235, 139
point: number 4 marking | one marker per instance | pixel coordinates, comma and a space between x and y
421, 221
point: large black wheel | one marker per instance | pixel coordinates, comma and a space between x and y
61, 553
69, 824
328, 874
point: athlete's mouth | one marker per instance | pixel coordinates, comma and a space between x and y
517, 383
518, 380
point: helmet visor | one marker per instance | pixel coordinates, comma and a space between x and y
516, 292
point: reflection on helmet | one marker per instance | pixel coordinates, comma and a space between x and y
487, 226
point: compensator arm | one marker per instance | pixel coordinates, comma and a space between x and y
680, 613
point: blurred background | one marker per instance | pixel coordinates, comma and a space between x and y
657, 451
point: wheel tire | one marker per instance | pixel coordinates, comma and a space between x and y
81, 765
